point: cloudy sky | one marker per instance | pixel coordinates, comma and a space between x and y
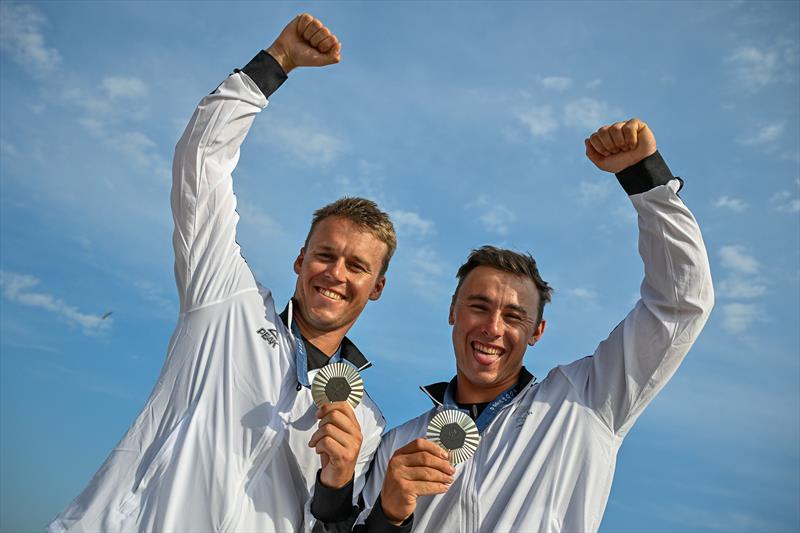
466, 122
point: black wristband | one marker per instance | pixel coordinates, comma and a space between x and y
332, 505
377, 522
266, 72
647, 174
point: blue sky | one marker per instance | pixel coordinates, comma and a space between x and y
466, 122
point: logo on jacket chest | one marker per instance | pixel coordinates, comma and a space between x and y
269, 335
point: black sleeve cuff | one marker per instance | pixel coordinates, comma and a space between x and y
647, 174
332, 505
378, 523
265, 72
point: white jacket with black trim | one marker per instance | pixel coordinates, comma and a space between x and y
546, 461
222, 443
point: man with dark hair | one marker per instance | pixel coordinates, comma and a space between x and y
547, 450
230, 439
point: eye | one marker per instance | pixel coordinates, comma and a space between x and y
513, 318
324, 256
477, 307
357, 267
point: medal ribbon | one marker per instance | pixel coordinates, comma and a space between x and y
491, 411
300, 355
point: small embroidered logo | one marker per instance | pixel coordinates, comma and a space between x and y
520, 419
269, 335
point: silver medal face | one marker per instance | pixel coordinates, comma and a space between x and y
337, 382
455, 432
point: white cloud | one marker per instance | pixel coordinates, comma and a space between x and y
557, 83
124, 87
583, 293
735, 258
738, 317
427, 273
305, 142
754, 68
784, 202
410, 223
152, 294
255, 217
539, 120
590, 192
594, 83
765, 135
18, 288
734, 204
496, 217
740, 288
21, 37
588, 114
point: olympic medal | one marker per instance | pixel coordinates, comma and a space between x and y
455, 432
337, 382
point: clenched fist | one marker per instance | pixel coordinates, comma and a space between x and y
616, 147
305, 42
338, 443
420, 468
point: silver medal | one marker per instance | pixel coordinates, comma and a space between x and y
455, 432
337, 382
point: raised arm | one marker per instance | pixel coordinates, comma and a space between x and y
208, 263
634, 363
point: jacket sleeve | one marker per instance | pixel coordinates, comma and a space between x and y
643, 352
208, 263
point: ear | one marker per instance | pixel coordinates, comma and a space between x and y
537, 333
377, 290
451, 317
299, 261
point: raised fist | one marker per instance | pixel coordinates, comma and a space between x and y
305, 42
616, 147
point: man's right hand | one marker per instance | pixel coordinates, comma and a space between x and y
420, 468
305, 42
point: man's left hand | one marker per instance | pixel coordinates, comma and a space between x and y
338, 443
617, 146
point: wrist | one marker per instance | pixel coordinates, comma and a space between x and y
334, 481
279, 54
394, 518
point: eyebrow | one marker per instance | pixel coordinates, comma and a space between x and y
485, 299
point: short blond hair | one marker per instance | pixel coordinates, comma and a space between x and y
365, 214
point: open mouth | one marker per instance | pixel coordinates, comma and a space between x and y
331, 295
486, 354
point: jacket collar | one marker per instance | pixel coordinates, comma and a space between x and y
318, 359
436, 391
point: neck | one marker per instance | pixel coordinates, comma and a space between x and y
468, 392
326, 341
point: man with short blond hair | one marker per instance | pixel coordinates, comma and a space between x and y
230, 439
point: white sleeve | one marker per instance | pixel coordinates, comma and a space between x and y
643, 352
208, 264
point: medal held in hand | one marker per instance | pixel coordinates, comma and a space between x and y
455, 432
337, 382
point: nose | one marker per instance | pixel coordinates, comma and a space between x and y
493, 327
336, 269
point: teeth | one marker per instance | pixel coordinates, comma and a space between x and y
330, 294
489, 350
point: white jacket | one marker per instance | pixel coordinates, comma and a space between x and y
222, 443
546, 461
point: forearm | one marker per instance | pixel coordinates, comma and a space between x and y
203, 204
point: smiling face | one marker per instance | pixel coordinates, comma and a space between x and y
338, 271
493, 315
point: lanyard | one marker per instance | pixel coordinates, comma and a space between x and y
491, 410
301, 357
